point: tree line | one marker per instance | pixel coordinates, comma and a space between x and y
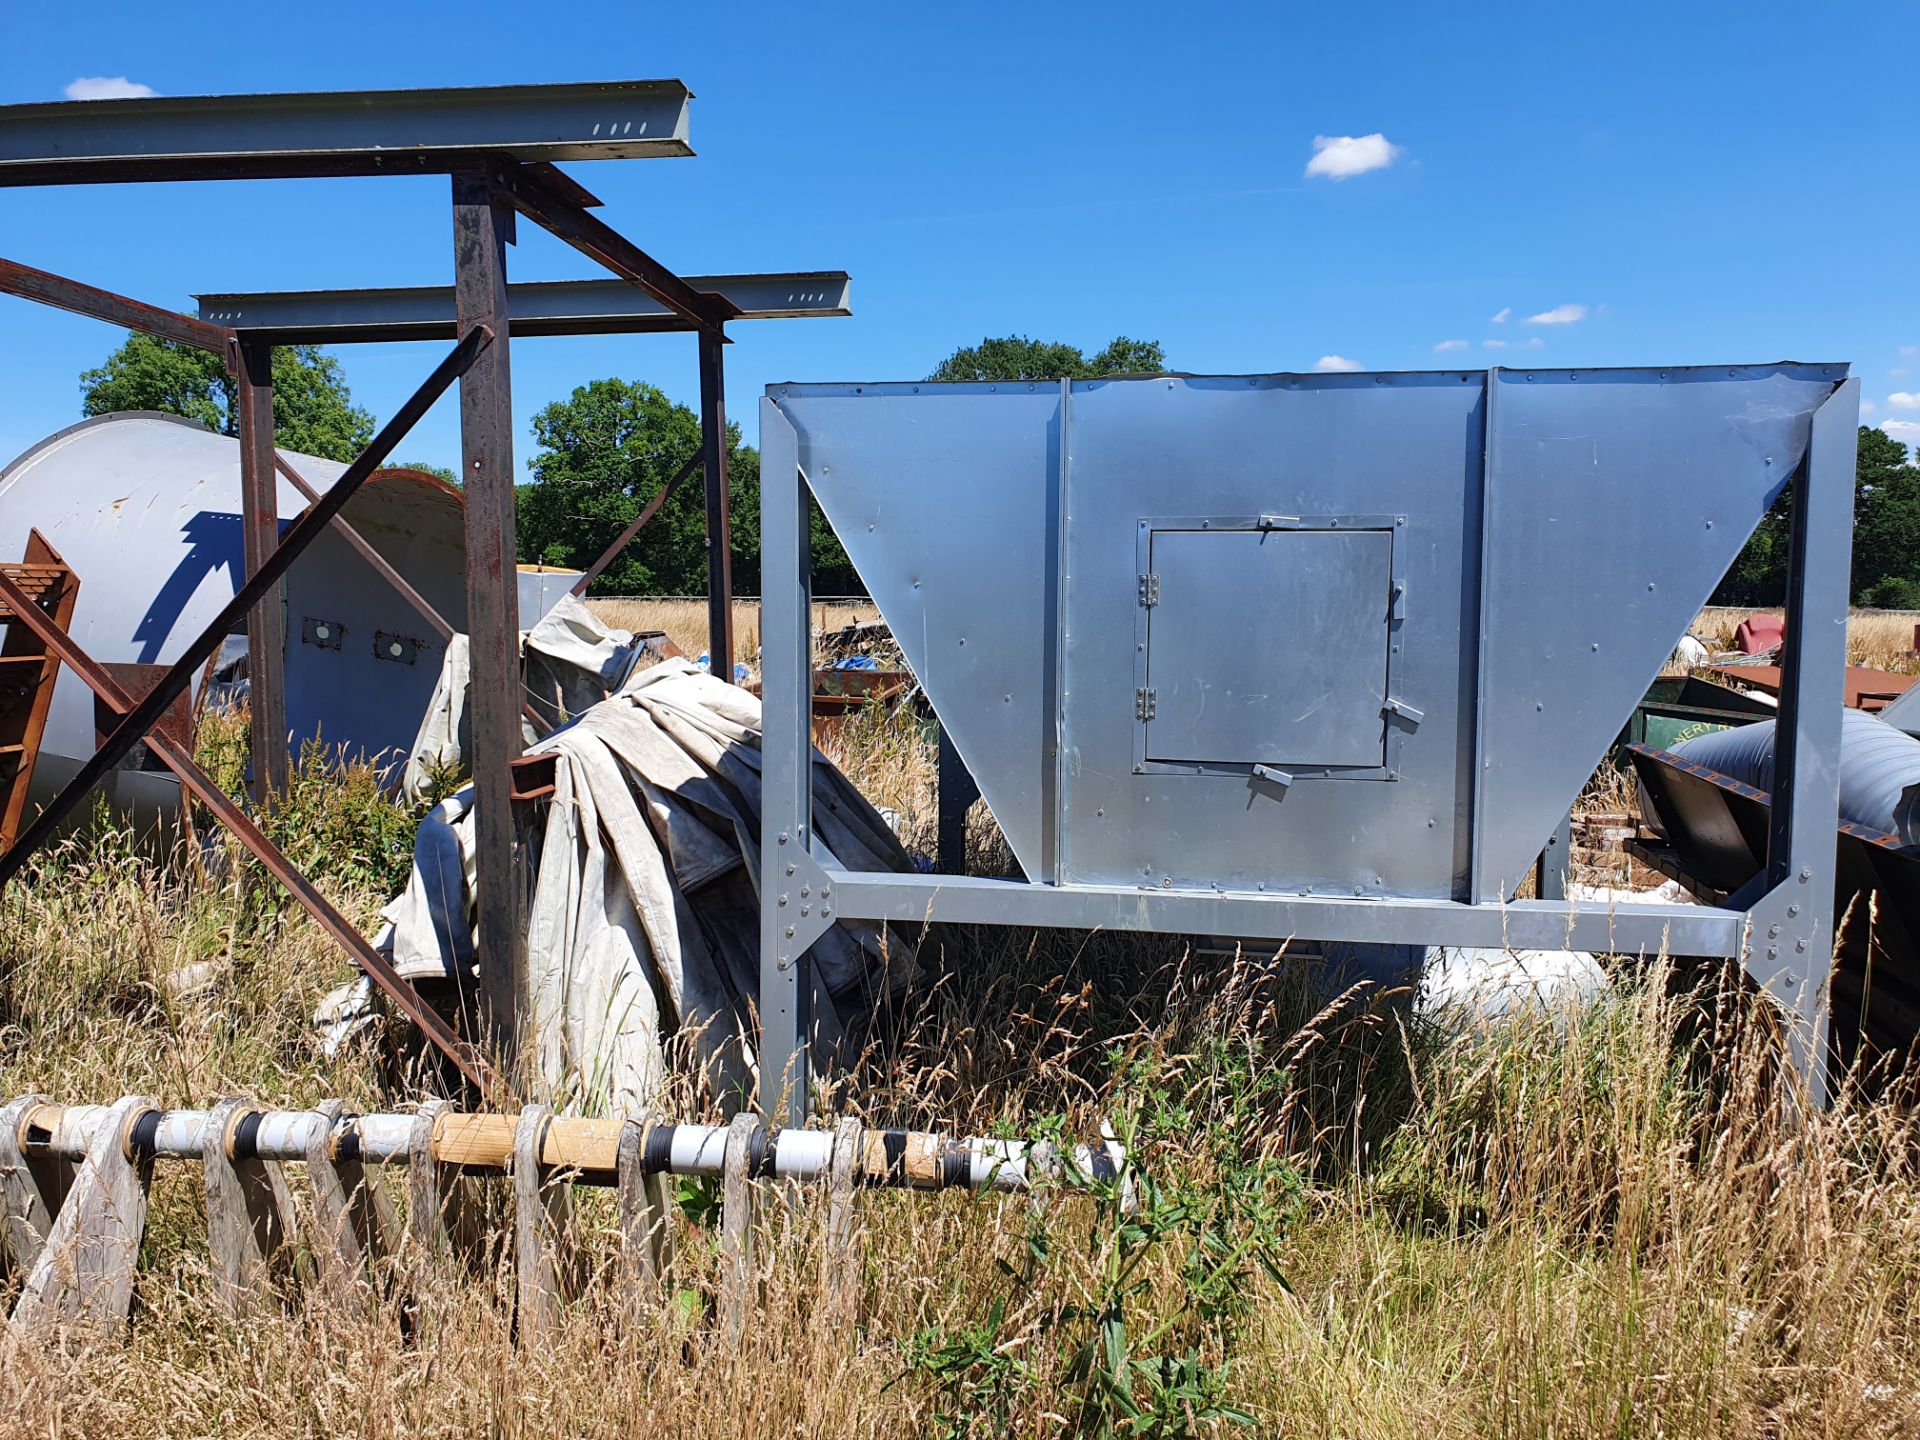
606, 450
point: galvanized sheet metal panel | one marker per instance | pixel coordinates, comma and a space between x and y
1616, 500
944, 496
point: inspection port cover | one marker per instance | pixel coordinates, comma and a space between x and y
1269, 646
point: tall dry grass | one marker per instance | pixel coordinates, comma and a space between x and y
1353, 1220
1883, 639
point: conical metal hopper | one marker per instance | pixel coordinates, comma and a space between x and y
1360, 635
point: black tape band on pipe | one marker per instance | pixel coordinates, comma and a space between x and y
895, 1143
246, 1137
956, 1165
761, 1144
146, 1127
656, 1152
346, 1145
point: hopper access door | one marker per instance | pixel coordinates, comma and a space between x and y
1266, 645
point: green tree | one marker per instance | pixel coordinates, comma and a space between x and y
1886, 535
602, 454
1015, 357
313, 411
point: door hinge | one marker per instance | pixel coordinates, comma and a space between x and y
1149, 590
1143, 704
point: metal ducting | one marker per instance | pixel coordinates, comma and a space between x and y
1878, 765
146, 509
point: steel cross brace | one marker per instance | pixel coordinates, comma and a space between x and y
142, 717
249, 834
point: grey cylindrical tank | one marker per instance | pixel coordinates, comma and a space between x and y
1877, 764
146, 510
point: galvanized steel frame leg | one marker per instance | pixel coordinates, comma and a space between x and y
259, 535
713, 442
790, 920
482, 230
1790, 940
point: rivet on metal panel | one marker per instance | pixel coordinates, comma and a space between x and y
790, 869
1805, 876
783, 839
1800, 945
1773, 952
783, 899
1773, 932
1792, 910
806, 892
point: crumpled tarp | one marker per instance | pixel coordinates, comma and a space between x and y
644, 919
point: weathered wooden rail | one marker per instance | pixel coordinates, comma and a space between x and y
74, 1183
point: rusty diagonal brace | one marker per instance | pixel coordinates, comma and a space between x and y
376, 965
611, 553
302, 533
535, 198
384, 569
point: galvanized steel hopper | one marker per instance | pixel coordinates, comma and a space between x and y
1357, 635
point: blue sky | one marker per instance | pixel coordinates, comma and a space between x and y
1672, 183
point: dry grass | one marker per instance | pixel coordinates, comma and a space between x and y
1883, 639
1606, 1225
685, 621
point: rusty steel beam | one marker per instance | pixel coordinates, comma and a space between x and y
89, 300
652, 508
482, 230
713, 426
170, 686
259, 535
196, 780
707, 311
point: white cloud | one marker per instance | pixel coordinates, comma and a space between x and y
1905, 431
1501, 318
1451, 345
1534, 342
1341, 157
1559, 315
107, 87
1494, 344
1867, 407
1904, 400
1910, 352
1337, 362
1898, 372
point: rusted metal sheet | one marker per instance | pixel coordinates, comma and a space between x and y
1866, 688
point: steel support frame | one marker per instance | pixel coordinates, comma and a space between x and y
259, 535
1791, 924
483, 227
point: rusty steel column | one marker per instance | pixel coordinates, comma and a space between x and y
713, 434
482, 230
259, 535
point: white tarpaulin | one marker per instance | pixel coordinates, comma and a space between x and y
644, 915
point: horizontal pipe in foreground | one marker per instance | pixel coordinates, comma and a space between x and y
589, 1148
